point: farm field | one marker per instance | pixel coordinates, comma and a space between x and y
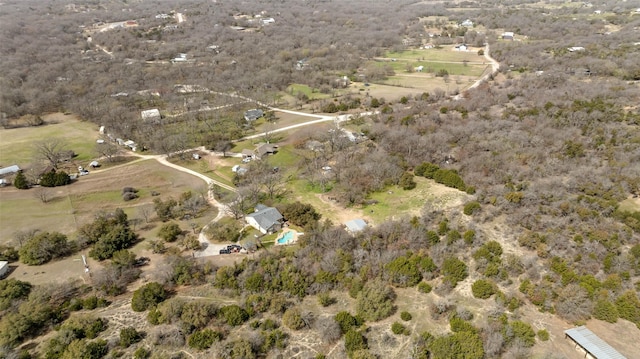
17, 144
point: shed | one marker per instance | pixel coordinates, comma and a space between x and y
356, 225
150, 115
9, 170
593, 346
4, 268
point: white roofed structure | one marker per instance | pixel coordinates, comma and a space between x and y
592, 344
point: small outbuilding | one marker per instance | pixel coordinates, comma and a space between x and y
6, 171
592, 346
356, 225
152, 115
4, 268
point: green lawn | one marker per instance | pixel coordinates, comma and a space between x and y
394, 202
201, 166
17, 146
311, 93
444, 54
27, 213
286, 157
453, 68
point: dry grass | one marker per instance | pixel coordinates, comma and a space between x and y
74, 205
17, 145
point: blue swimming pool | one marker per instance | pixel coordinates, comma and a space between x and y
286, 238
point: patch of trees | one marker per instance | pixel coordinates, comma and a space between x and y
148, 296
189, 205
55, 179
45, 246
447, 177
20, 181
108, 233
32, 314
299, 214
224, 230
117, 274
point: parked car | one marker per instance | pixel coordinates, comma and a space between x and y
224, 251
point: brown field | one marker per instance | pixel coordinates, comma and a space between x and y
74, 205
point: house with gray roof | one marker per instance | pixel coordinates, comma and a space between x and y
253, 114
265, 219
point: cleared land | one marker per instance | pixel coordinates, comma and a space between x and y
74, 205
17, 144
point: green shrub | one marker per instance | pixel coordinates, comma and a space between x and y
44, 247
463, 344
234, 315
354, 341
543, 335
407, 182
128, 336
524, 332
449, 178
141, 353
424, 287
426, 169
325, 299
454, 270
85, 326
169, 232
483, 289
347, 322
398, 328
203, 339
300, 214
293, 319
147, 296
375, 301
406, 316
605, 310
471, 208
20, 182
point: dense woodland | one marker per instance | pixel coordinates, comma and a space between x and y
548, 148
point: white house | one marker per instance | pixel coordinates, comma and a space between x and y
151, 115
267, 20
508, 35
265, 219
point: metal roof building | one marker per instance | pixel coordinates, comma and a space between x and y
591, 344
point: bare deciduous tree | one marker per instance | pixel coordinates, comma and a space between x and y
50, 150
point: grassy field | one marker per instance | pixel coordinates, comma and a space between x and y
445, 54
311, 93
75, 205
453, 68
17, 145
395, 202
